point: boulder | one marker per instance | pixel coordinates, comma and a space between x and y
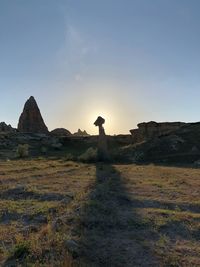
197, 163
31, 120
60, 132
73, 247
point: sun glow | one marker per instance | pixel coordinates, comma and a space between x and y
108, 121
101, 99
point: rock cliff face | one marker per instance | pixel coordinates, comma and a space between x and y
31, 120
152, 129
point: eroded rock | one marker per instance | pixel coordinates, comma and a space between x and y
102, 143
31, 120
81, 133
152, 129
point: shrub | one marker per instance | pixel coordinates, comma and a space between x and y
22, 151
70, 157
43, 149
20, 250
90, 155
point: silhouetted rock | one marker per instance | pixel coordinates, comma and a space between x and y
60, 132
152, 129
31, 120
81, 133
6, 128
178, 146
102, 144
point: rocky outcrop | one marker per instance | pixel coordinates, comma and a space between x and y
81, 133
152, 129
6, 128
60, 132
102, 143
31, 120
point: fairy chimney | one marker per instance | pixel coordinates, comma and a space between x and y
31, 120
102, 142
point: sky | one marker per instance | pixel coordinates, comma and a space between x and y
129, 61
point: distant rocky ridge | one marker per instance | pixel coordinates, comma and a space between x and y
163, 142
152, 129
81, 133
6, 128
31, 120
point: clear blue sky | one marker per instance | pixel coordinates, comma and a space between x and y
127, 60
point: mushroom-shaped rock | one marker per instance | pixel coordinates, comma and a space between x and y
102, 143
31, 120
99, 121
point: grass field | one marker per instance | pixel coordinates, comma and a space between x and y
62, 213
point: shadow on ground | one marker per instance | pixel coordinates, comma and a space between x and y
112, 233
22, 193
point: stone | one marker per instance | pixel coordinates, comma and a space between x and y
31, 120
73, 247
152, 129
32, 228
102, 142
197, 163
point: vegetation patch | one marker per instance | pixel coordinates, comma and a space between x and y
65, 213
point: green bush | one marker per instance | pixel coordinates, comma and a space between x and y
90, 155
43, 149
22, 151
70, 157
20, 250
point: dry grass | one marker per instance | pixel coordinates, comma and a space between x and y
58, 213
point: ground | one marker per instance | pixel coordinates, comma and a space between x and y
64, 213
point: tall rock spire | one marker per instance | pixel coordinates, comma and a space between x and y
31, 120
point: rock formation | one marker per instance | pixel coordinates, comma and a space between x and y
81, 133
180, 146
31, 120
102, 143
60, 132
6, 128
152, 129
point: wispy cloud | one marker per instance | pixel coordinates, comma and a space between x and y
75, 52
73, 35
78, 77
